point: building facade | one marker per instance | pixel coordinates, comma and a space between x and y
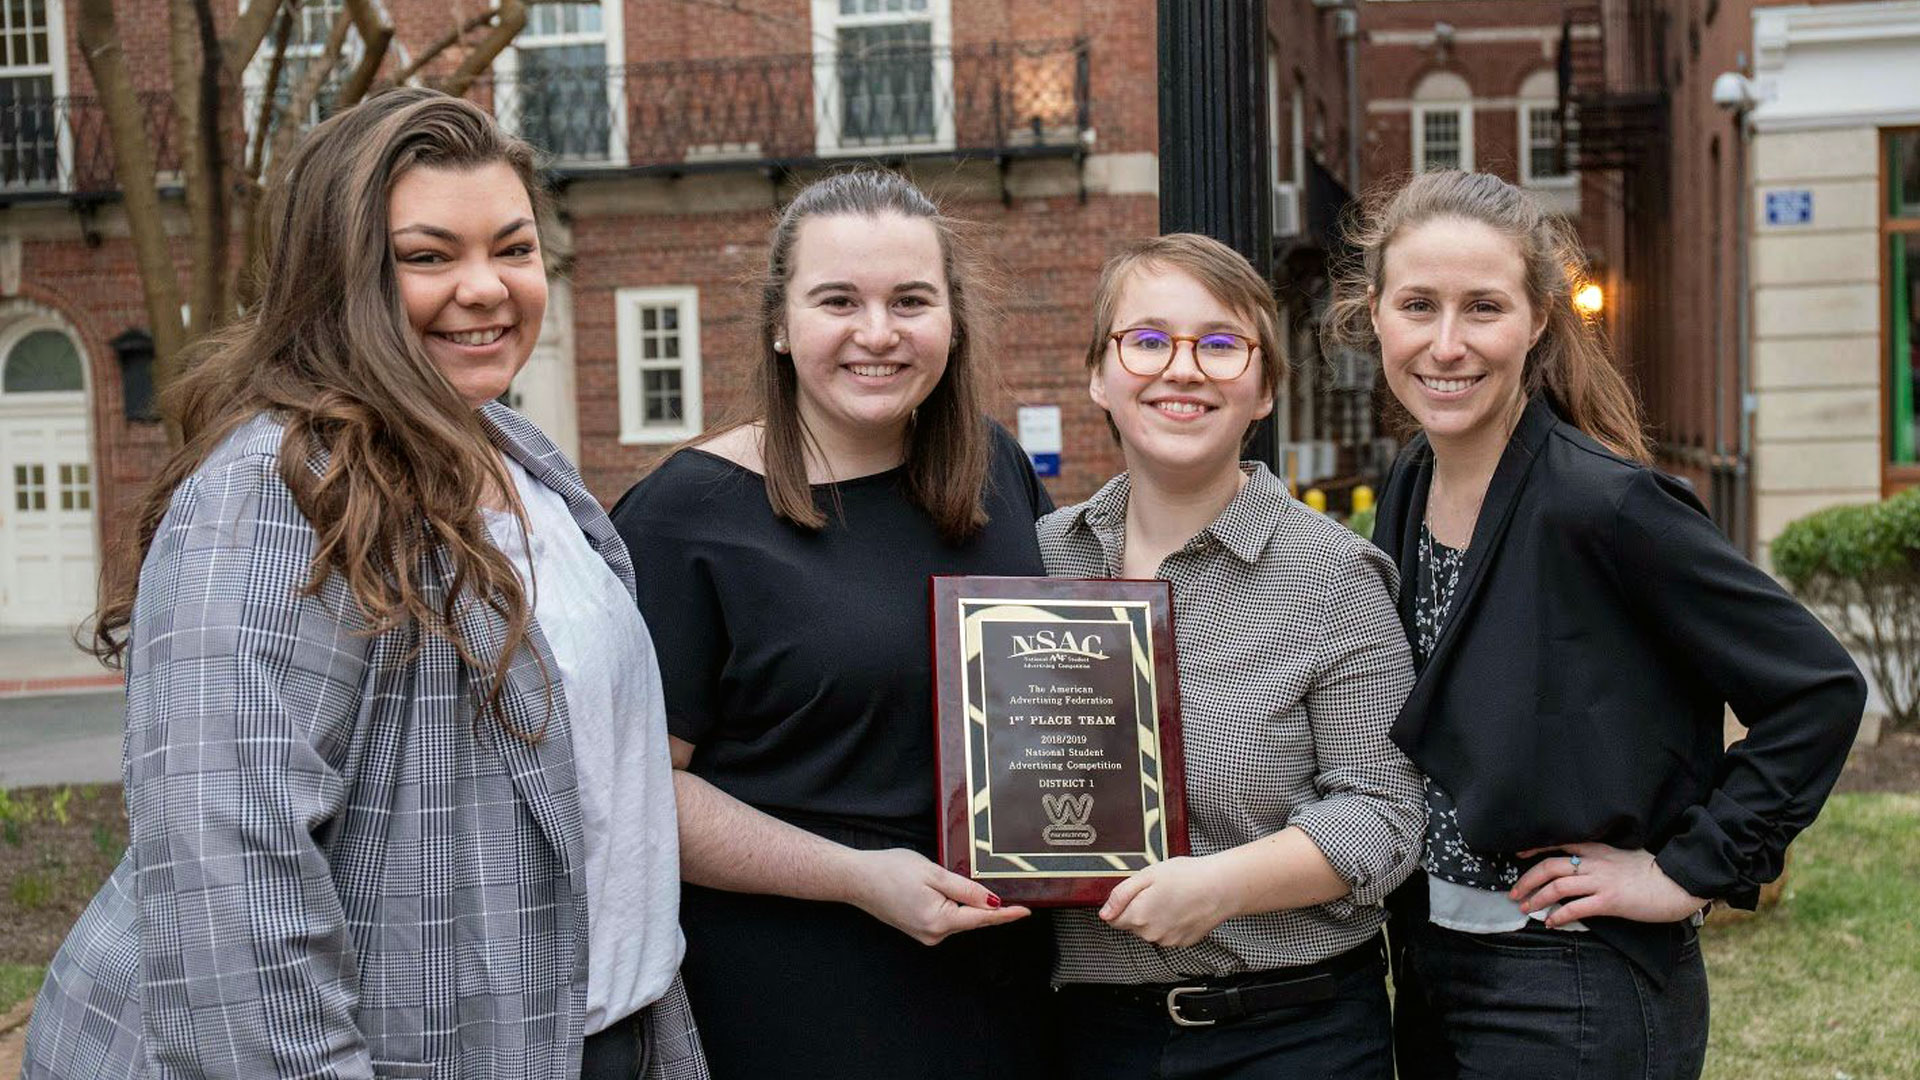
676, 130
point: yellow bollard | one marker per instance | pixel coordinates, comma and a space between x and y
1362, 498
1316, 499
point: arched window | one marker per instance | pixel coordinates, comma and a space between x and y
43, 362
1540, 134
1442, 123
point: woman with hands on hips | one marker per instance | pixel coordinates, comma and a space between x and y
791, 554
1581, 627
1260, 954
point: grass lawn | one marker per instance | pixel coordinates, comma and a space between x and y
1826, 986
18, 982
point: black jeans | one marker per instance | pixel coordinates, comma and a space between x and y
1347, 1037
618, 1052
1543, 1003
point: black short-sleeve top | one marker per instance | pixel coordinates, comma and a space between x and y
797, 662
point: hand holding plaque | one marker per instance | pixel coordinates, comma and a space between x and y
1059, 763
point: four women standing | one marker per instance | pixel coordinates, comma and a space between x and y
398, 755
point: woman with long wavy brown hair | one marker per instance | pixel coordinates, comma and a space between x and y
387, 692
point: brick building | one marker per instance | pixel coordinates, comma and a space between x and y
677, 127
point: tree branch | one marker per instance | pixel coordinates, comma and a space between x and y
376, 33
263, 120
443, 43
248, 31
512, 17
313, 80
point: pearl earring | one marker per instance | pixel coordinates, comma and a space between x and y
779, 345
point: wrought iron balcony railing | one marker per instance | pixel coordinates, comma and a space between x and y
1002, 99
984, 100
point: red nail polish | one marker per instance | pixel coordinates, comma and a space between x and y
993, 901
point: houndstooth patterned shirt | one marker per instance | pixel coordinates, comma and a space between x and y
1293, 665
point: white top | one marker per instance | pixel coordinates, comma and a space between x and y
1481, 911
619, 728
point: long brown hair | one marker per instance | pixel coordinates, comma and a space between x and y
1569, 362
1226, 275
947, 441
329, 353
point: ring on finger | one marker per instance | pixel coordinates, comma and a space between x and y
1574, 861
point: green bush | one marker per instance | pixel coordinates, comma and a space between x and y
1858, 567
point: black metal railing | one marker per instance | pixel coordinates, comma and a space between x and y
1003, 99
59, 145
996, 98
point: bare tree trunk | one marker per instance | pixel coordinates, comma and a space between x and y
99, 35
314, 79
243, 289
192, 53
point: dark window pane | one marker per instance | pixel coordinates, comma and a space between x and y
44, 361
886, 83
1903, 345
672, 347
1903, 183
29, 143
562, 100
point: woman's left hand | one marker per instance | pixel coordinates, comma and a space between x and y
1597, 879
1171, 903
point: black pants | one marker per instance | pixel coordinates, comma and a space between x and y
618, 1052
1543, 1003
1346, 1037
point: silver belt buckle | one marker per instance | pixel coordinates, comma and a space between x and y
1173, 1006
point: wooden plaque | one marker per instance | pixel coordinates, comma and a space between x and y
1058, 753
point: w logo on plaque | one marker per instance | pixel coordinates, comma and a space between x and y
1068, 815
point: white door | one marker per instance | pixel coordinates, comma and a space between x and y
47, 550
543, 392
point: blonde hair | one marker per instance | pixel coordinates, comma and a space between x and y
1226, 275
1569, 362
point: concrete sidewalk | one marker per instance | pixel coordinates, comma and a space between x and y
48, 662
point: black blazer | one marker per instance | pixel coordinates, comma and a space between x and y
1576, 690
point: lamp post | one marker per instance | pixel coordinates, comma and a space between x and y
1213, 123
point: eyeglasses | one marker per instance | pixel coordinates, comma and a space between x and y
1146, 352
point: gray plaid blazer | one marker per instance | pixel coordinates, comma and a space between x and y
337, 868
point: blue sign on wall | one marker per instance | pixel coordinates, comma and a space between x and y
1045, 464
1791, 207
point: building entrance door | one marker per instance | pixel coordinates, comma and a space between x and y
47, 546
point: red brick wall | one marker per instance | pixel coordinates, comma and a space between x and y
1050, 248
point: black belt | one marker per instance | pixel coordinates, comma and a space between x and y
1222, 998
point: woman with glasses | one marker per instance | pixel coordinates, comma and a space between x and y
1260, 954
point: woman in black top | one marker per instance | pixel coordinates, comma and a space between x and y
786, 562
1580, 628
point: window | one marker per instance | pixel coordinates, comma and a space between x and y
561, 85
659, 342
29, 487
75, 491
1540, 134
1442, 123
1900, 228
29, 133
43, 362
883, 74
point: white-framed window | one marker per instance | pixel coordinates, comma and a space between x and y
1540, 134
883, 73
33, 77
658, 336
562, 85
1442, 123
